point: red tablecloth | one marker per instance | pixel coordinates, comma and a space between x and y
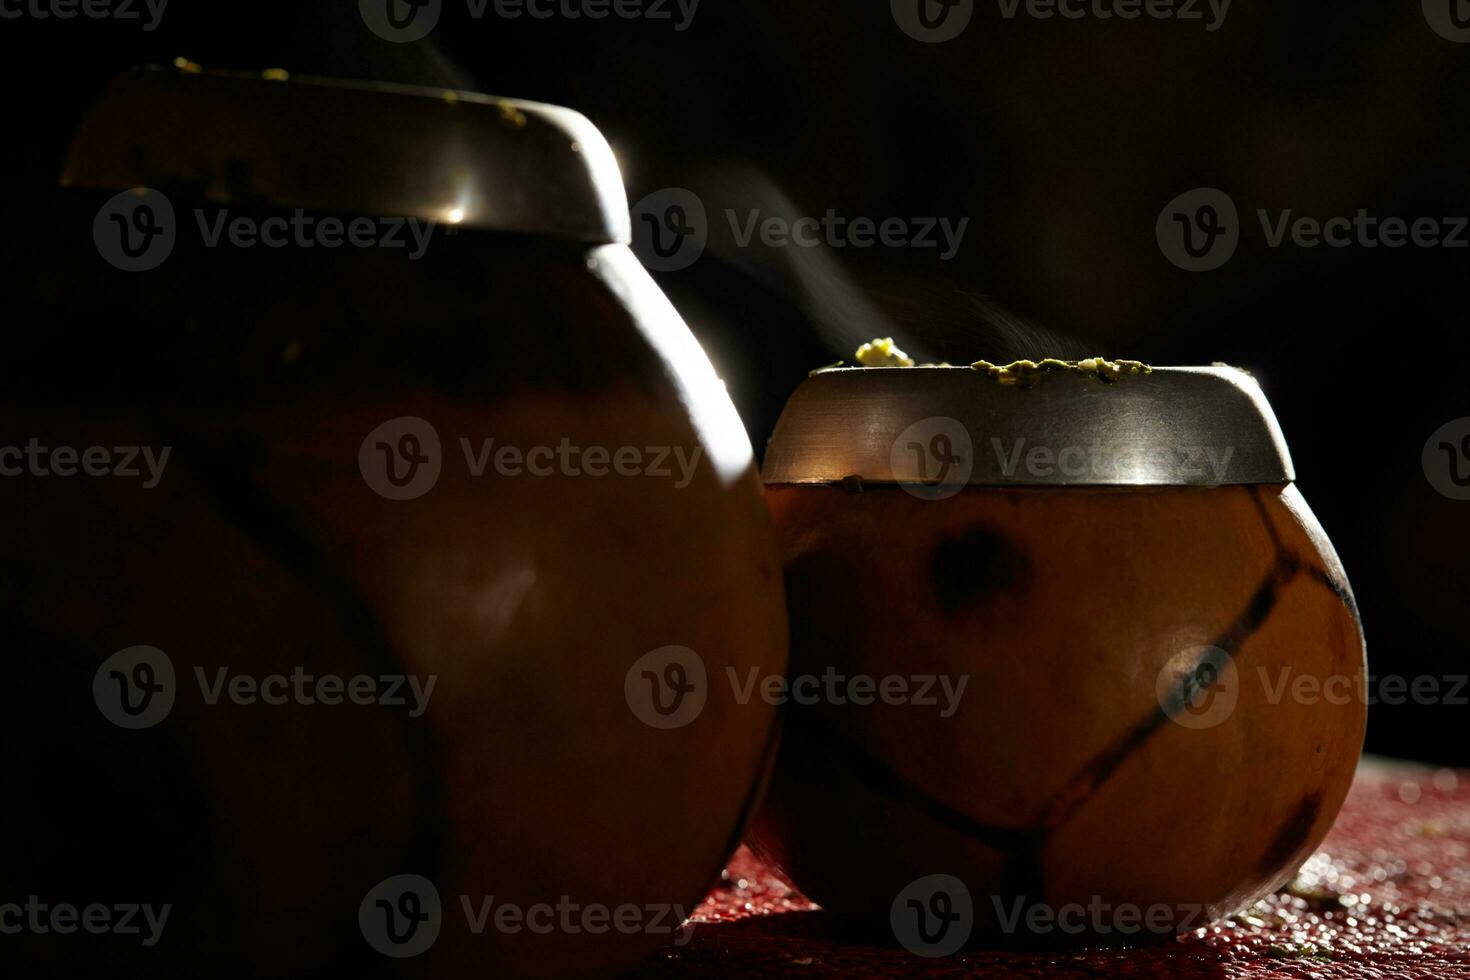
1388, 895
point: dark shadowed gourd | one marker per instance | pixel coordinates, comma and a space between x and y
307, 519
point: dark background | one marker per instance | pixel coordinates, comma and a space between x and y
1061, 141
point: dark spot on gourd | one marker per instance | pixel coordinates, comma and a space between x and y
970, 566
1293, 833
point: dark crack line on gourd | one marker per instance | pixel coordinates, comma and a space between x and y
1344, 595
251, 509
1098, 770
1317, 573
879, 777
1266, 521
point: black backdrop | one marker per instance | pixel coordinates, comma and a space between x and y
1061, 141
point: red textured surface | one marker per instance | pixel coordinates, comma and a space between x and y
1387, 895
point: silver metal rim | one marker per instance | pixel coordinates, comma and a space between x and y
956, 426
460, 158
